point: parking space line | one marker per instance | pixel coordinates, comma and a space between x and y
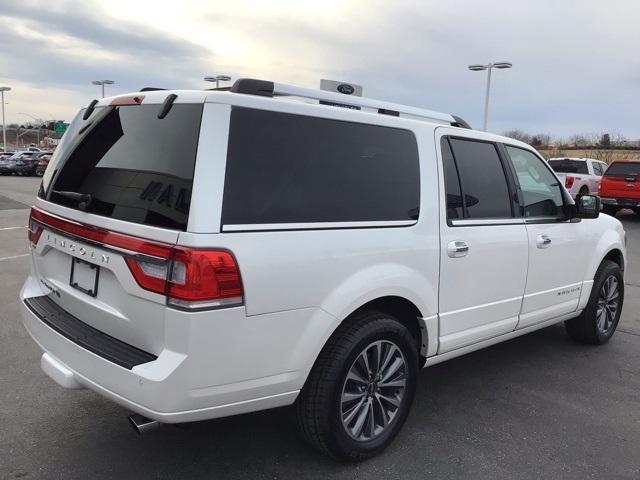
14, 256
11, 228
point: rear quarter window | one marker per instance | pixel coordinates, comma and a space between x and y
291, 169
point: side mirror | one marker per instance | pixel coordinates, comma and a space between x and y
588, 206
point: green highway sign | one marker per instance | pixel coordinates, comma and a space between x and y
60, 127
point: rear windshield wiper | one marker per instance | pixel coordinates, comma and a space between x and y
83, 199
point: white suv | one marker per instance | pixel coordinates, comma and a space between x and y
198, 254
581, 176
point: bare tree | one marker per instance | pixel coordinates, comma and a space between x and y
518, 135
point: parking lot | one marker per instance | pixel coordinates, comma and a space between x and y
539, 406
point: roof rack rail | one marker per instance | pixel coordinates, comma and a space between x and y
266, 88
152, 89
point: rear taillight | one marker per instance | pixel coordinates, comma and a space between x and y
568, 181
191, 278
34, 231
204, 279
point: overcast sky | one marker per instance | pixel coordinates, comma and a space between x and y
576, 64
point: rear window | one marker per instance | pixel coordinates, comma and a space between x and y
136, 167
284, 168
569, 166
623, 169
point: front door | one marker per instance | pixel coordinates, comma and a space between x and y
483, 249
557, 247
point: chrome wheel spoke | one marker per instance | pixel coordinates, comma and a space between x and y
365, 362
350, 414
383, 412
390, 399
351, 396
377, 353
393, 368
388, 357
356, 377
397, 383
362, 418
371, 424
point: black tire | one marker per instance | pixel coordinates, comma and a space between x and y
583, 191
586, 328
320, 404
636, 211
610, 210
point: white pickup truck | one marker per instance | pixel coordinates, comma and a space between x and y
581, 176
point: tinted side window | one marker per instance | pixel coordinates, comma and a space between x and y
484, 183
284, 168
451, 182
540, 189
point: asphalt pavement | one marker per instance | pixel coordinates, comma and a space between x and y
539, 406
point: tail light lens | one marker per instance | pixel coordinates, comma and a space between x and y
34, 230
568, 181
204, 279
191, 278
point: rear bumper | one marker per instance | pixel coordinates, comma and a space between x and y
621, 202
230, 363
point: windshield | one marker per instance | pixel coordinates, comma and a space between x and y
623, 169
135, 167
569, 166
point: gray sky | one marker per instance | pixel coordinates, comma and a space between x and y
576, 63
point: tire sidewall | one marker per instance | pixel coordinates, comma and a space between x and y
384, 328
608, 269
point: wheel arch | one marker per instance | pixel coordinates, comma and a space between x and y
405, 311
616, 256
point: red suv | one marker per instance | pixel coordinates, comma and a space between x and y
620, 187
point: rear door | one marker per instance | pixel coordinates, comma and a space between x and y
117, 189
557, 248
483, 259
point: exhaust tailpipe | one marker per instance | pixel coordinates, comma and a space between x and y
143, 424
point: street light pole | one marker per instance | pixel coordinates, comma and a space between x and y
488, 67
4, 130
102, 83
486, 100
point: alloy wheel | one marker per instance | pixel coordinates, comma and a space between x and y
608, 303
373, 390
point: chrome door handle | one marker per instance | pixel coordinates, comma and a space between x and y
543, 241
457, 249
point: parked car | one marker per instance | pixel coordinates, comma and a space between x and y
6, 165
43, 162
5, 155
199, 254
620, 187
28, 163
21, 163
581, 176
